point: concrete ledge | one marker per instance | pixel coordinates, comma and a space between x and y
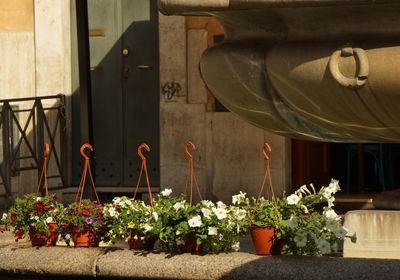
375, 234
115, 263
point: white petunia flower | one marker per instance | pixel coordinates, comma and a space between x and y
166, 192
38, 199
155, 216
236, 246
207, 203
329, 213
116, 200
179, 205
147, 228
240, 214
220, 204
129, 203
178, 232
195, 221
212, 231
206, 213
293, 199
49, 219
4, 217
221, 213
111, 212
239, 198
324, 246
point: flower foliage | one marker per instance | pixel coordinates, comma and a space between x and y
32, 211
306, 230
214, 226
125, 217
87, 215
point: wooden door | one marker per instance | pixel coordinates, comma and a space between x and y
310, 163
124, 62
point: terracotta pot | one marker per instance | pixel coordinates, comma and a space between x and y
265, 242
190, 246
136, 243
39, 239
85, 238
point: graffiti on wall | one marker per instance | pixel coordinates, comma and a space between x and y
171, 90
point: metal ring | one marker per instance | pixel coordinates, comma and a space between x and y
362, 76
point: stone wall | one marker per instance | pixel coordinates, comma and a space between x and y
35, 56
228, 156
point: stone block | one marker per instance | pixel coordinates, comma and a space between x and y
197, 44
179, 124
235, 155
173, 57
374, 234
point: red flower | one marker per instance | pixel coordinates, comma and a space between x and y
85, 212
13, 217
45, 208
39, 205
18, 234
100, 214
40, 212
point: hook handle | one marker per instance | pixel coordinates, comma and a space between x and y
186, 149
266, 151
140, 148
46, 150
82, 150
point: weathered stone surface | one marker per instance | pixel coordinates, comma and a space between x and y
375, 234
109, 263
24, 259
388, 200
197, 44
241, 266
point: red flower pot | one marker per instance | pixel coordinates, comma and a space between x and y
190, 246
85, 238
136, 243
265, 242
39, 239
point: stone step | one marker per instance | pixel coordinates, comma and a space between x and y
374, 234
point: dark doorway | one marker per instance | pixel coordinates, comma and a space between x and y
124, 64
368, 167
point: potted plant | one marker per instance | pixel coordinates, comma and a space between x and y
264, 220
35, 216
84, 223
131, 220
307, 230
215, 227
205, 226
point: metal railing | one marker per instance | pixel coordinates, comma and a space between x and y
25, 127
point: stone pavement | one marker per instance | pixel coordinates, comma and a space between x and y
21, 260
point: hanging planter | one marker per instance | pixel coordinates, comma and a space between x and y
190, 245
34, 215
265, 217
138, 241
132, 220
265, 241
83, 219
86, 238
40, 239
